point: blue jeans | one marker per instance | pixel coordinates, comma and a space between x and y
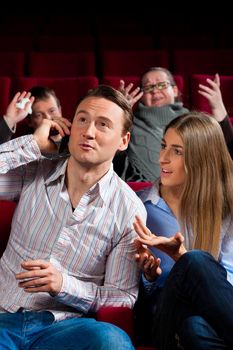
196, 333
195, 305
38, 331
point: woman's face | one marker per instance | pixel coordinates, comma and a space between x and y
171, 159
160, 94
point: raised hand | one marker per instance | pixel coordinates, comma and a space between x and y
147, 262
132, 96
54, 135
43, 134
172, 246
213, 94
14, 114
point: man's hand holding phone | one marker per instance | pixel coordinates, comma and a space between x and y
50, 132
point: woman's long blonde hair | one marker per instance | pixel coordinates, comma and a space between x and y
207, 197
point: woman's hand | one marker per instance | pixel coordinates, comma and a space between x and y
172, 246
148, 263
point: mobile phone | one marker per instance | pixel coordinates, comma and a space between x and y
64, 144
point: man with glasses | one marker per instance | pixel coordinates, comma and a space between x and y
159, 86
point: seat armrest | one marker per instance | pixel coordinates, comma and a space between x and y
119, 316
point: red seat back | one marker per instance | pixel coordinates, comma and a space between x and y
136, 186
6, 213
5, 84
68, 90
12, 64
201, 103
132, 62
55, 64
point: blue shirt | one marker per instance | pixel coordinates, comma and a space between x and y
162, 222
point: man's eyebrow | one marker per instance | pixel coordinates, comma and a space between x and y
82, 111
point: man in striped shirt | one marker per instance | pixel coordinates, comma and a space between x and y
71, 248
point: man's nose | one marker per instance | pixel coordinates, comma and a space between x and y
90, 130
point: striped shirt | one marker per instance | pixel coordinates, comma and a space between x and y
92, 246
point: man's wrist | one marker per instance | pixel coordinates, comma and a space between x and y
11, 125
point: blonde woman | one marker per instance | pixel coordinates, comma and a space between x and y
191, 275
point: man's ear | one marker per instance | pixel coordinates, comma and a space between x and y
124, 142
176, 91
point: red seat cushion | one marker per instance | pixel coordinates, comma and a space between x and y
136, 186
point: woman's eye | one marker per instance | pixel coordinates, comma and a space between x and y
163, 146
178, 152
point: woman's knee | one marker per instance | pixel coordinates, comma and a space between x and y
197, 257
196, 333
200, 263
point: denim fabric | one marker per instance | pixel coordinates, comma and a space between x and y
197, 334
196, 286
38, 331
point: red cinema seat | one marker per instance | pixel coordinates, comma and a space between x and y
188, 62
137, 186
114, 81
7, 210
56, 64
5, 84
200, 103
132, 62
12, 64
68, 90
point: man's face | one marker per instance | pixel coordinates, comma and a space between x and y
96, 132
44, 109
157, 97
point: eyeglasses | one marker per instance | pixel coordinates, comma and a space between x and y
159, 86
